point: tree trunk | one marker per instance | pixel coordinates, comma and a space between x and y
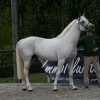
14, 34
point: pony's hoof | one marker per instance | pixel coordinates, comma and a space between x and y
30, 90
75, 88
24, 89
55, 89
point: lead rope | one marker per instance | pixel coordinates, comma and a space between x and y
96, 58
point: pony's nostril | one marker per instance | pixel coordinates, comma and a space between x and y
92, 27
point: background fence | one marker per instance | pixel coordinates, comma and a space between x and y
6, 64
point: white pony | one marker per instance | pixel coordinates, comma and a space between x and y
61, 49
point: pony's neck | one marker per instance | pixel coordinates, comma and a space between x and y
73, 34
66, 29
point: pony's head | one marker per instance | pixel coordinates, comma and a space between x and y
84, 24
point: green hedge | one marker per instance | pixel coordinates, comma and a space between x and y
6, 68
6, 72
36, 66
6, 63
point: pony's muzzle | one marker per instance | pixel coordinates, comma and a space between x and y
91, 28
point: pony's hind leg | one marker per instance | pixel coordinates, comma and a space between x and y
23, 85
59, 67
26, 69
70, 71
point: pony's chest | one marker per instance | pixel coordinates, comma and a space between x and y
68, 52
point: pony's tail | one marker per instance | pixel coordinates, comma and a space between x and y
20, 63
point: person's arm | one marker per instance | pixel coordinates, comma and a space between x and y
98, 45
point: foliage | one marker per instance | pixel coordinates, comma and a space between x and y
47, 18
4, 4
43, 18
39, 18
36, 66
5, 27
6, 71
6, 63
36, 78
6, 80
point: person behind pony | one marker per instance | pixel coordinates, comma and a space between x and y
91, 44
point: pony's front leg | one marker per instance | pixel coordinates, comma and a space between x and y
70, 71
26, 69
59, 68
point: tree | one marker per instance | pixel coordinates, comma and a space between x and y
14, 34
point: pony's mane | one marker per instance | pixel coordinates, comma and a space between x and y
66, 29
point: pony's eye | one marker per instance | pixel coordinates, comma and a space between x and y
82, 22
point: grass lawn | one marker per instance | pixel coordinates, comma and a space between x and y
36, 78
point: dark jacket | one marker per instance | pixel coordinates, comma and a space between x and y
89, 42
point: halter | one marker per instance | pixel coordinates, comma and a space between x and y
86, 27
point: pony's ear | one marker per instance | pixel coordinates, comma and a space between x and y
79, 16
83, 14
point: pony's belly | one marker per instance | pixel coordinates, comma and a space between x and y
47, 56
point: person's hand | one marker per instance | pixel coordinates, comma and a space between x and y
95, 50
